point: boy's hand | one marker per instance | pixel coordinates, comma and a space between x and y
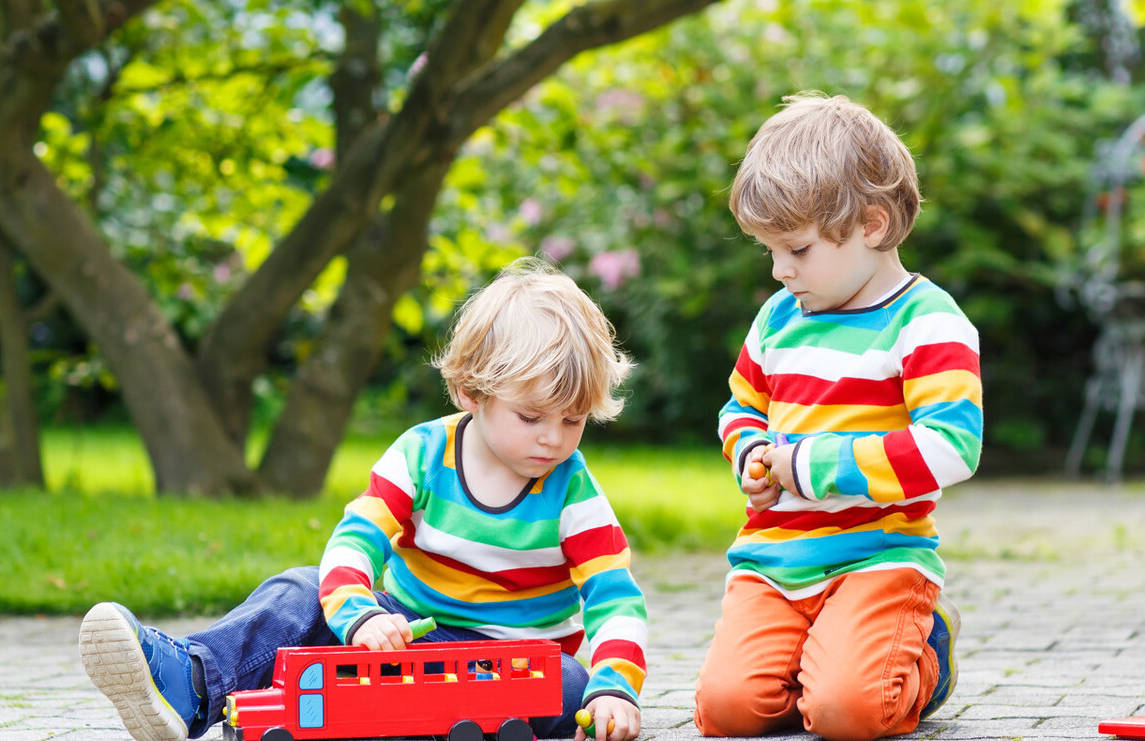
381, 632
778, 459
761, 488
624, 715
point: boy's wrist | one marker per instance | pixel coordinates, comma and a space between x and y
741, 459
609, 693
362, 619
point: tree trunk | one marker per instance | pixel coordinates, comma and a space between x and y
188, 448
19, 429
384, 264
194, 417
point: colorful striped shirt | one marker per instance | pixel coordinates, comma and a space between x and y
884, 405
516, 571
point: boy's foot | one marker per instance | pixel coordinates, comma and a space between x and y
947, 623
145, 673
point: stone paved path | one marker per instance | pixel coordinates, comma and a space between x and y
1050, 579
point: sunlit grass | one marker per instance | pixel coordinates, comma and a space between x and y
101, 533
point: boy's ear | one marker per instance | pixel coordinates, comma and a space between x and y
467, 402
876, 222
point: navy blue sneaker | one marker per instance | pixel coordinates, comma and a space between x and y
145, 673
947, 623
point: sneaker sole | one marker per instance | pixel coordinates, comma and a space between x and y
953, 618
114, 660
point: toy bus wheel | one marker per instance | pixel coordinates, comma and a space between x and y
515, 729
277, 734
465, 730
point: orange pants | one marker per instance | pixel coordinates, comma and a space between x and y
851, 662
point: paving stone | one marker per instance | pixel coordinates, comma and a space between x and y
1051, 590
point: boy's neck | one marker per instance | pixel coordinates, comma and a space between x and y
888, 278
483, 476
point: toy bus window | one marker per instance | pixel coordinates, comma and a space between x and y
311, 677
485, 669
311, 711
352, 674
396, 673
524, 667
441, 671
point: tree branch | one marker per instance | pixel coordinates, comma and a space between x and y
18, 14
355, 77
33, 59
233, 351
470, 38
585, 27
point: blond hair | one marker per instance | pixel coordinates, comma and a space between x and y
825, 161
532, 332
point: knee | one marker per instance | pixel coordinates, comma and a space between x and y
295, 585
574, 680
735, 706
843, 713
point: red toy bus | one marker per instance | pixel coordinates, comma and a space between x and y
460, 690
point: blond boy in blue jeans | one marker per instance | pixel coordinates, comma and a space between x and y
855, 399
488, 520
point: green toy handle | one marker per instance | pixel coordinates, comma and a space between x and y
422, 626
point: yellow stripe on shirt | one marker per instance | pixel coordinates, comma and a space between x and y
466, 587
376, 511
582, 573
808, 419
938, 388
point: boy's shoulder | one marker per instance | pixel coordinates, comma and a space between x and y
431, 435
923, 296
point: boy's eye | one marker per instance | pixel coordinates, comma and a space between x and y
572, 422
799, 251
528, 420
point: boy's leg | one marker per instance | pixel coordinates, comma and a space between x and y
747, 685
866, 669
149, 676
238, 650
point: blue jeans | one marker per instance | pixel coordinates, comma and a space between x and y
237, 652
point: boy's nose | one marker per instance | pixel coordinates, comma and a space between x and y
781, 270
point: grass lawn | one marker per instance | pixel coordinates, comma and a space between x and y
100, 533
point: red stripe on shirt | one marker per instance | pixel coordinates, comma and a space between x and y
341, 576
844, 520
570, 644
617, 649
399, 502
794, 388
908, 464
511, 579
927, 360
750, 370
606, 540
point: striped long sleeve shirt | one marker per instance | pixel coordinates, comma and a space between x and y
884, 405
517, 571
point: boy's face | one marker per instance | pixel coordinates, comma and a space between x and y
522, 435
825, 276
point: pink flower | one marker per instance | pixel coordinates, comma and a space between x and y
557, 247
530, 211
221, 273
613, 268
498, 233
323, 158
417, 66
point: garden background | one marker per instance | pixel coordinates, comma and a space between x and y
232, 232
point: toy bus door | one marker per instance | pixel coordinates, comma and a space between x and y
311, 703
